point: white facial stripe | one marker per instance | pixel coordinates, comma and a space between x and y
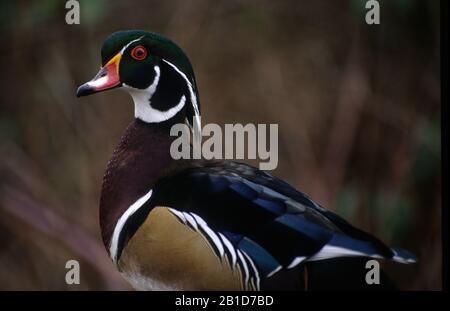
197, 124
121, 222
128, 44
144, 95
152, 88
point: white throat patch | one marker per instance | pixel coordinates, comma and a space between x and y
143, 109
142, 101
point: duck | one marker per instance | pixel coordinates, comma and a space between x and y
196, 224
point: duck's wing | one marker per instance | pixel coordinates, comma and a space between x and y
258, 221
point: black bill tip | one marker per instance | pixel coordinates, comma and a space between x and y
85, 90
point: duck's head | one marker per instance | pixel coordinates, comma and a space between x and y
154, 70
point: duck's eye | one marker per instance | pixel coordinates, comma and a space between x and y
139, 52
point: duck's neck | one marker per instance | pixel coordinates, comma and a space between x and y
141, 157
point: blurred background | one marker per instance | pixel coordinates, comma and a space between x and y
358, 109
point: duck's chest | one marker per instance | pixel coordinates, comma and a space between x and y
139, 160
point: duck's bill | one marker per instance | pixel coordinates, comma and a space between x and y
107, 78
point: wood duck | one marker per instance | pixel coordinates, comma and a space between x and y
208, 225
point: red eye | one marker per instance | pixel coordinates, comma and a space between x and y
139, 52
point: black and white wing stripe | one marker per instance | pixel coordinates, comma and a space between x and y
223, 248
